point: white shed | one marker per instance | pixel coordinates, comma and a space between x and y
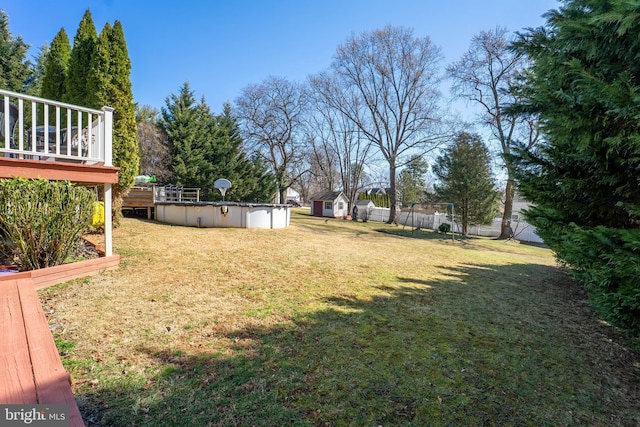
332, 204
364, 207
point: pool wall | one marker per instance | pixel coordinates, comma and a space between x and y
223, 215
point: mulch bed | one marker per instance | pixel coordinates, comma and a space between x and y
82, 250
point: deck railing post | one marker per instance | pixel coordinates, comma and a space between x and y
108, 135
5, 124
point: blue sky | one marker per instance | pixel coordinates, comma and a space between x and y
222, 46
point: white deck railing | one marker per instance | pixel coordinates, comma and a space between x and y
172, 193
42, 129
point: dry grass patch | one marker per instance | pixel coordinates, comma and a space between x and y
336, 323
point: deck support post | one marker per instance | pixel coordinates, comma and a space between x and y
108, 161
108, 221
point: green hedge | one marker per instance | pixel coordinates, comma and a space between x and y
380, 200
42, 220
607, 262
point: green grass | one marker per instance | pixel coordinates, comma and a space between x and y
339, 324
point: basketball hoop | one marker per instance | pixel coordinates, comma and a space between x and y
223, 185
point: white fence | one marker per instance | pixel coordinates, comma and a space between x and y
522, 230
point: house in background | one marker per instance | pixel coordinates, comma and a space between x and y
519, 204
292, 195
333, 204
377, 191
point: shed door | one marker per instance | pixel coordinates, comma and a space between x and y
317, 208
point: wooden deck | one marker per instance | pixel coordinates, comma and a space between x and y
90, 174
139, 198
30, 368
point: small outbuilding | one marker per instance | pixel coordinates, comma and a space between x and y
332, 204
365, 204
364, 208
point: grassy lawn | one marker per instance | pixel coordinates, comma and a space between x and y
337, 323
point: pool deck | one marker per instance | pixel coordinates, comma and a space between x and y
30, 368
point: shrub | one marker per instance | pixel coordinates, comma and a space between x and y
444, 227
41, 220
605, 261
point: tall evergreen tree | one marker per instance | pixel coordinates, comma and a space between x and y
260, 186
56, 62
207, 147
108, 83
84, 45
411, 182
34, 83
249, 178
120, 96
15, 70
185, 121
584, 179
464, 172
98, 79
224, 155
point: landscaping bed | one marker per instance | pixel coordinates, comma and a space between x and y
87, 259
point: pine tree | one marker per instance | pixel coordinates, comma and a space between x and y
464, 172
206, 147
584, 179
84, 45
411, 182
224, 155
250, 181
260, 184
56, 62
119, 96
185, 122
34, 83
586, 173
98, 79
15, 70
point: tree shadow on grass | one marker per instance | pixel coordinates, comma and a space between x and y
485, 345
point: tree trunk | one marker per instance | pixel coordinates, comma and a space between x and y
392, 196
464, 217
506, 232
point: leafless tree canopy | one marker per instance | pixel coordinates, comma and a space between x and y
153, 142
389, 81
271, 118
486, 75
339, 150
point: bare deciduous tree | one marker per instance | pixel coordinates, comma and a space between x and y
153, 142
270, 116
390, 81
485, 75
337, 146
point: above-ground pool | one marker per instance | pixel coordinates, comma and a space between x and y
224, 214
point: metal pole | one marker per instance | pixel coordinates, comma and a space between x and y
453, 223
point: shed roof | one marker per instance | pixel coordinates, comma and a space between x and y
327, 195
